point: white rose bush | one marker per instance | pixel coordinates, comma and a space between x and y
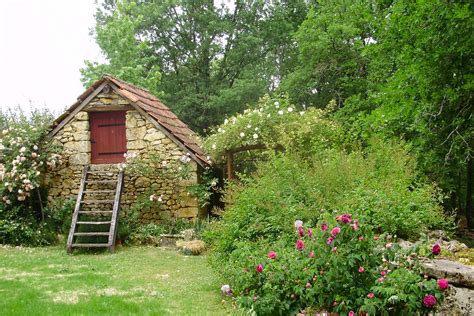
274, 123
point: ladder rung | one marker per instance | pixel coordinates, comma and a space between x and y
97, 201
101, 181
99, 191
92, 234
89, 245
93, 223
94, 212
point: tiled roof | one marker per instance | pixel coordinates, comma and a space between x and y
155, 108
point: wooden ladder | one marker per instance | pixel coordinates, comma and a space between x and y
97, 214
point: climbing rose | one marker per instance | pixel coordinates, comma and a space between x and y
301, 231
436, 249
311, 254
361, 269
443, 284
272, 255
351, 313
329, 240
299, 244
334, 249
335, 231
308, 285
371, 295
324, 227
383, 273
310, 232
429, 300
259, 268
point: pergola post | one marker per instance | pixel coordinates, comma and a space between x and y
230, 165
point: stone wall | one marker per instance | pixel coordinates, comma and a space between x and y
143, 140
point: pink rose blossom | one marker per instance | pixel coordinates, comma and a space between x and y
429, 301
383, 273
381, 279
308, 285
436, 250
324, 227
351, 313
334, 249
329, 240
311, 254
301, 231
361, 269
272, 255
259, 268
443, 284
371, 295
299, 244
389, 245
361, 238
344, 218
336, 230
355, 225
310, 232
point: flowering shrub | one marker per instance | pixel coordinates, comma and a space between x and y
345, 269
275, 123
25, 153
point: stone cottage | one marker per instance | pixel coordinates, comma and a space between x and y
113, 119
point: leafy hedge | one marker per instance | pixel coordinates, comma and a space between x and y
379, 185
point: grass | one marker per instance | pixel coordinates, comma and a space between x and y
137, 280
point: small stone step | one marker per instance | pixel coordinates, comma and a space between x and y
104, 173
94, 223
89, 245
97, 201
92, 234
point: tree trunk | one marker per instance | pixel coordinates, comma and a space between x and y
469, 192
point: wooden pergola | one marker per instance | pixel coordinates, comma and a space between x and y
230, 156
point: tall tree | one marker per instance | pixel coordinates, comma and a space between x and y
208, 60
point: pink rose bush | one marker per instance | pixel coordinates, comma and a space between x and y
337, 269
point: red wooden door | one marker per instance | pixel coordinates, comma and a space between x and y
108, 140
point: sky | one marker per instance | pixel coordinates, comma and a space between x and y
43, 44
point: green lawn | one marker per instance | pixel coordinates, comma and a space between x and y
137, 280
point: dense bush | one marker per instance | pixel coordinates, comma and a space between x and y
379, 185
338, 265
25, 154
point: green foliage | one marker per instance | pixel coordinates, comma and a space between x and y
213, 59
332, 63
25, 155
204, 189
335, 271
379, 185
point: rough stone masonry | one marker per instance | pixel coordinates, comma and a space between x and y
143, 139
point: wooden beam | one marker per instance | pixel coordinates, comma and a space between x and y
71, 115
